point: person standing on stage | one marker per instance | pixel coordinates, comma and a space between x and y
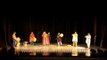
32, 38
88, 40
59, 39
45, 38
49, 37
16, 40
75, 39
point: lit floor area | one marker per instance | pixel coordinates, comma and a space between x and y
54, 52
53, 48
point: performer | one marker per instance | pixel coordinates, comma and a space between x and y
49, 37
59, 39
45, 38
16, 40
75, 39
88, 40
32, 38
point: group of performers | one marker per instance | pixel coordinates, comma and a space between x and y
75, 39
46, 39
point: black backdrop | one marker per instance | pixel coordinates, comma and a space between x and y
23, 25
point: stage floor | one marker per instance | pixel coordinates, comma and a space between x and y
55, 52
53, 48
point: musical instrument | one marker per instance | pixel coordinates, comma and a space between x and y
61, 35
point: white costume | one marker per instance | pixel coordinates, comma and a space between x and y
75, 39
88, 40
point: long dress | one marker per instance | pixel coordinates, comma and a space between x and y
45, 38
48, 39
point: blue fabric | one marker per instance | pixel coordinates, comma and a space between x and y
14, 42
59, 39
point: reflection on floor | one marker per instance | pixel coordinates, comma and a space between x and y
46, 49
53, 52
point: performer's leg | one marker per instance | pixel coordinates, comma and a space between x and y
88, 45
14, 43
48, 41
61, 42
31, 43
73, 43
58, 43
17, 44
45, 42
76, 43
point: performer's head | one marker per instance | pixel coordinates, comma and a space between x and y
88, 33
14, 32
31, 32
48, 32
44, 32
75, 32
58, 33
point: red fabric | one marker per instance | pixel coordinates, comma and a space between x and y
45, 39
31, 37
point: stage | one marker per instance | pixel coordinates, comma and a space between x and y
52, 48
55, 52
